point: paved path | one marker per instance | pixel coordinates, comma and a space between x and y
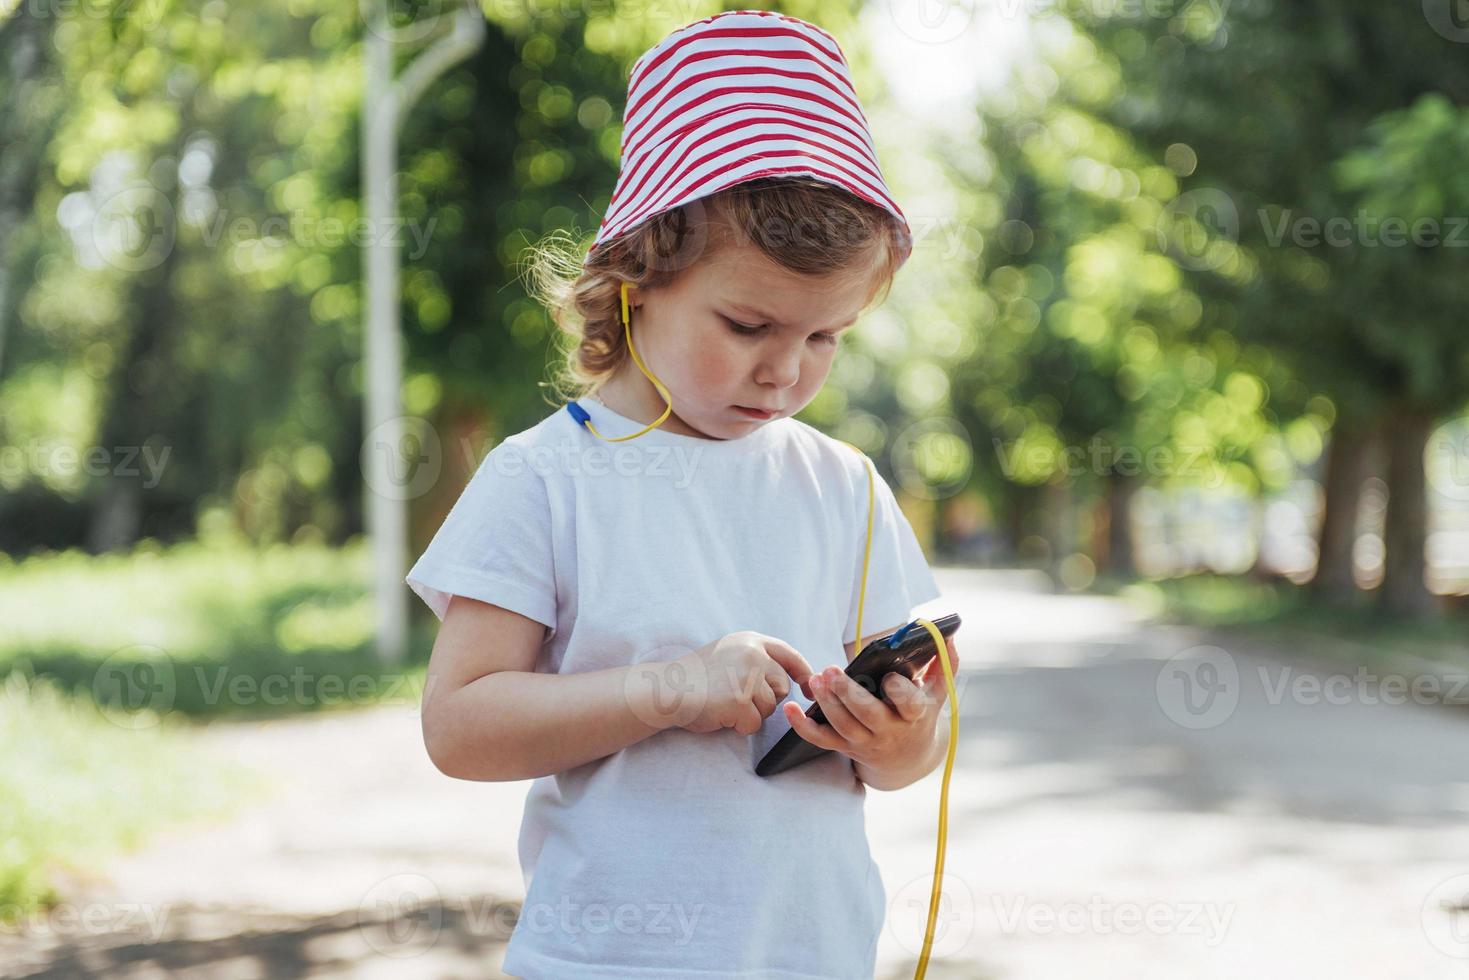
1101, 825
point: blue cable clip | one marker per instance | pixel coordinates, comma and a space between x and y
578, 413
898, 636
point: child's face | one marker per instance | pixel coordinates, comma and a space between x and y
690, 333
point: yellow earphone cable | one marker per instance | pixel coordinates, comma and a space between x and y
940, 644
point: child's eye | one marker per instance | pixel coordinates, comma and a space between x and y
745, 330
742, 329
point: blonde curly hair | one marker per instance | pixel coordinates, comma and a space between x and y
807, 226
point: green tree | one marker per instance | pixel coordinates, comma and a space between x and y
1259, 102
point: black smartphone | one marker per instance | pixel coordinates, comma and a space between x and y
905, 650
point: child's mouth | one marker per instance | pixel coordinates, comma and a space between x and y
755, 413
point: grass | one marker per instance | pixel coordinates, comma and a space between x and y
78, 784
107, 662
205, 630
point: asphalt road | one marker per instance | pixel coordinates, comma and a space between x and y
1128, 801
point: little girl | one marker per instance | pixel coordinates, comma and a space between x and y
622, 617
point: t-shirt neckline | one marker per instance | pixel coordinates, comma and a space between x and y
612, 423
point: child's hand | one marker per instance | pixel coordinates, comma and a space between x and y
736, 681
866, 728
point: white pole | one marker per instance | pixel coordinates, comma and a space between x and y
385, 104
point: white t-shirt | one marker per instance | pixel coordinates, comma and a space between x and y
671, 858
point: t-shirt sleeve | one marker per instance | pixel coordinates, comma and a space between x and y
495, 545
898, 576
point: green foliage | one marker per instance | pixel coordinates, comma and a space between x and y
1096, 359
76, 787
1293, 120
204, 629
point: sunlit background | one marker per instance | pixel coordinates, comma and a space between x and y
1174, 387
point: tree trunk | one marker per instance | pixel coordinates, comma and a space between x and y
1059, 523
1349, 459
1020, 500
1118, 559
137, 388
25, 58
1404, 591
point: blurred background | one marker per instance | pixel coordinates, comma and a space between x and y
1173, 390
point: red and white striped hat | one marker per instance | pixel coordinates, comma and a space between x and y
734, 97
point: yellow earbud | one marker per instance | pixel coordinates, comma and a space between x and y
581, 416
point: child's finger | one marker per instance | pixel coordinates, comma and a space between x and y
789, 659
821, 736
838, 715
909, 699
